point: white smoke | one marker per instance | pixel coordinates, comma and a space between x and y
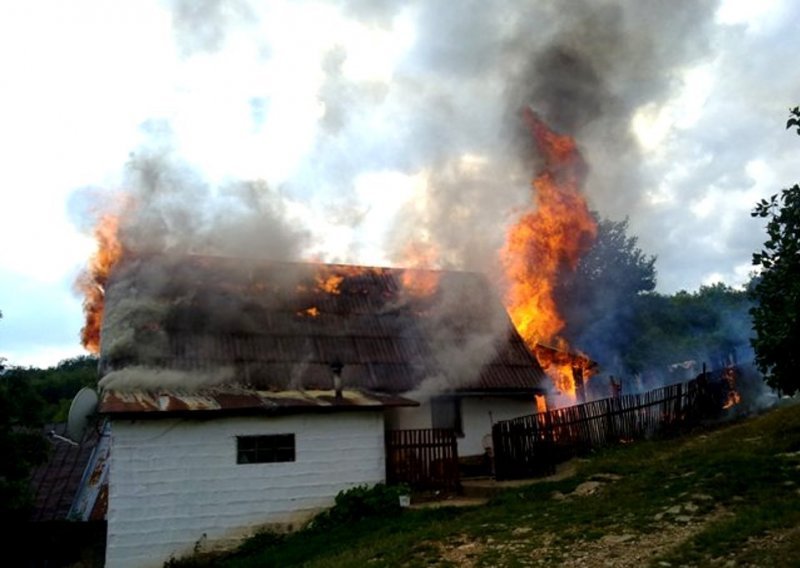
137, 377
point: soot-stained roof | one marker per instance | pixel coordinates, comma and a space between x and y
279, 326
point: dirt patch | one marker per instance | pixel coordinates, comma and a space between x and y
620, 548
629, 549
461, 552
775, 541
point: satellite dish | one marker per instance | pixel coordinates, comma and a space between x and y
82, 408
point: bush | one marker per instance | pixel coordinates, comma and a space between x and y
360, 503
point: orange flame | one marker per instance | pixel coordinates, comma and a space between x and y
418, 279
545, 241
93, 281
329, 279
329, 283
733, 397
562, 365
313, 312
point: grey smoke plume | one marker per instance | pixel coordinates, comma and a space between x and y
169, 208
466, 328
586, 67
450, 112
202, 25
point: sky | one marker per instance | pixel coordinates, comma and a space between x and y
374, 123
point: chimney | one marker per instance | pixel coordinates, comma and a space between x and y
336, 367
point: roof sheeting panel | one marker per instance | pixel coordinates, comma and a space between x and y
170, 403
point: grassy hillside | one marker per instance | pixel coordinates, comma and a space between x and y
728, 496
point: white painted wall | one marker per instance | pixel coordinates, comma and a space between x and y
477, 420
176, 482
477, 415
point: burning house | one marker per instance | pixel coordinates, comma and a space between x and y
243, 393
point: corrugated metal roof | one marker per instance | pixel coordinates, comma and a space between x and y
164, 403
277, 328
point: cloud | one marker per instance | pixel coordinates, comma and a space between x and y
34, 329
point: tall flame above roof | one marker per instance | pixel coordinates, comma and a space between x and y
92, 282
546, 240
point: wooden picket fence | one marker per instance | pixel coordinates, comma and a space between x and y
529, 446
423, 459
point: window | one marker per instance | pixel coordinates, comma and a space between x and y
265, 449
446, 413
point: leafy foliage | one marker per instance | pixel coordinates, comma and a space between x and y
360, 503
708, 326
794, 120
776, 317
21, 444
56, 386
29, 398
613, 314
598, 297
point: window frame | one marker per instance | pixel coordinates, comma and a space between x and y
451, 404
266, 448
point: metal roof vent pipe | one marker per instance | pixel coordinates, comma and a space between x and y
336, 367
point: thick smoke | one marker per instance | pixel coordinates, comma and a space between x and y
202, 25
451, 109
170, 208
167, 208
586, 67
467, 327
449, 113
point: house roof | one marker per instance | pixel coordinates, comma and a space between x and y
55, 482
227, 401
268, 326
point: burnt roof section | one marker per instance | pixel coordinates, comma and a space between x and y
279, 326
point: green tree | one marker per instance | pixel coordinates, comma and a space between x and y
598, 298
59, 384
29, 398
21, 444
776, 315
707, 326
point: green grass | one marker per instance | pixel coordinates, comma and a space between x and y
738, 487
